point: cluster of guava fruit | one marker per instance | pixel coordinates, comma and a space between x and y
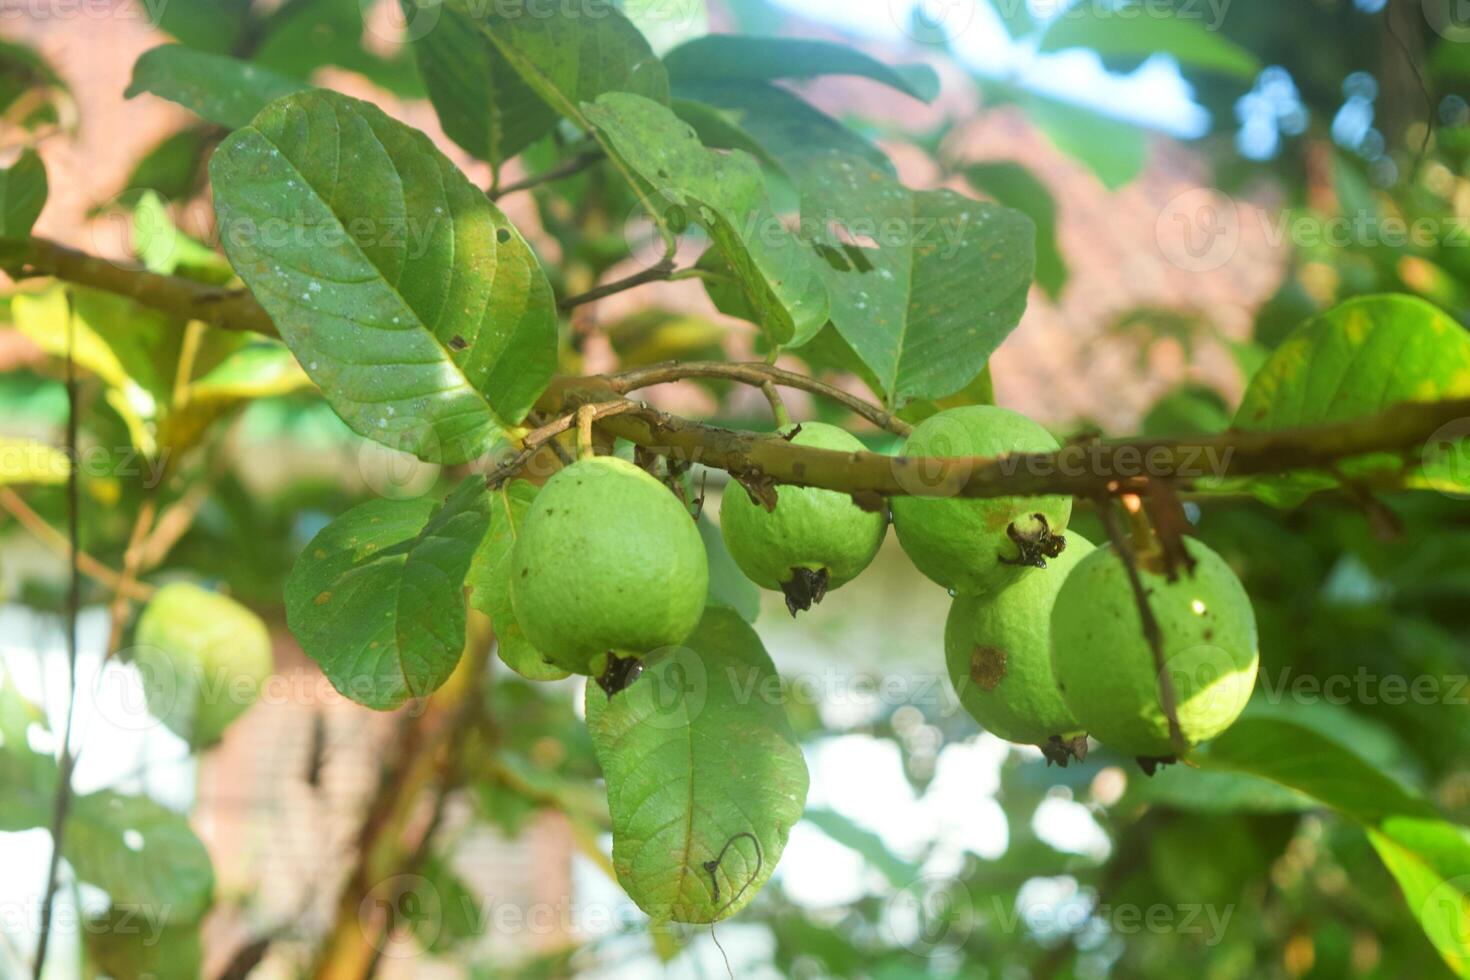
1043, 642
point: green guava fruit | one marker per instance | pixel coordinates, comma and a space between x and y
814, 541
203, 657
1105, 666
971, 545
608, 563
998, 649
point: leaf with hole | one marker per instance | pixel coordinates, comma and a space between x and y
405, 293
705, 778
377, 597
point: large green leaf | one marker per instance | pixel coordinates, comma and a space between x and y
787, 128
725, 194
22, 195
1016, 187
220, 89
742, 58
1429, 857
570, 54
142, 854
1137, 30
924, 285
1353, 361
489, 581
482, 103
377, 597
406, 294
704, 775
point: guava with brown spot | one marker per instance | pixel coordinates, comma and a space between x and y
976, 545
998, 651
608, 564
814, 541
1105, 665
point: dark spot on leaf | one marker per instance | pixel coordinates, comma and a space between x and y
457, 342
502, 235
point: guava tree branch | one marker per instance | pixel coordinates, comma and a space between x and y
757, 375
1088, 469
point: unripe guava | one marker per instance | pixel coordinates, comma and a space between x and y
203, 657
1105, 666
998, 649
814, 541
974, 545
607, 562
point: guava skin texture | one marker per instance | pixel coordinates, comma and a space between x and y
203, 658
1105, 667
813, 529
998, 650
962, 543
608, 561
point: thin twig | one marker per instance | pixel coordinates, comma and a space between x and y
659, 272
568, 168
757, 374
27, 518
67, 762
540, 437
778, 407
1168, 699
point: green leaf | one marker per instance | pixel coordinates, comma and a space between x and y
29, 777
22, 195
23, 72
1429, 857
173, 168
717, 130
377, 598
304, 35
924, 284
166, 250
728, 586
1136, 30
575, 55
132, 944
489, 581
142, 854
29, 461
704, 775
1114, 150
743, 58
217, 88
867, 844
787, 128
1353, 361
482, 103
407, 296
209, 25
725, 194
1016, 187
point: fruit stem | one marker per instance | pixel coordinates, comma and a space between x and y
778, 407
585, 415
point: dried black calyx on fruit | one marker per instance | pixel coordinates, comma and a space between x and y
1032, 550
1151, 764
1063, 750
620, 672
804, 588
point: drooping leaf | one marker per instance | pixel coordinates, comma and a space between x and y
1353, 361
489, 581
787, 128
482, 103
377, 599
575, 54
142, 854
1016, 187
924, 285
728, 586
22, 195
220, 89
28, 461
1427, 855
743, 58
1137, 31
725, 195
405, 293
704, 775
